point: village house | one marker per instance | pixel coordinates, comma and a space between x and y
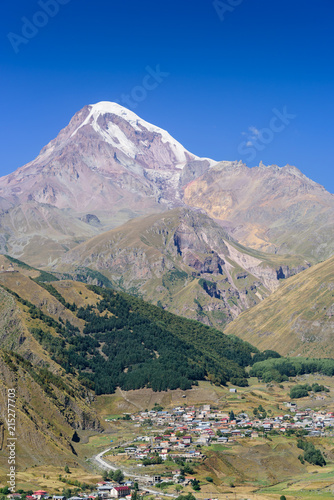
38, 495
186, 439
120, 491
104, 490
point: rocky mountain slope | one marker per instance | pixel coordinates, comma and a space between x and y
185, 262
298, 319
41, 233
108, 166
51, 406
269, 208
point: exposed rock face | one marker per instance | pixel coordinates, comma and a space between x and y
181, 260
210, 264
189, 242
90, 219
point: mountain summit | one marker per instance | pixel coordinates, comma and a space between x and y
106, 155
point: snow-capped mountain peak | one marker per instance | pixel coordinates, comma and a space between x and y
113, 133
104, 154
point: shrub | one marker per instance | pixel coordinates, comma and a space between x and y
311, 454
299, 391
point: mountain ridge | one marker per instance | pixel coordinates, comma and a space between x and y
271, 208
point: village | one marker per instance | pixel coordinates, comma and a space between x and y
180, 437
187, 429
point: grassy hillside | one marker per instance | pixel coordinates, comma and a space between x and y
50, 404
298, 319
49, 408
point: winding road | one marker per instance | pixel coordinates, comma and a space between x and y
105, 465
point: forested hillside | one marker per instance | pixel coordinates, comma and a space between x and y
128, 343
108, 339
133, 344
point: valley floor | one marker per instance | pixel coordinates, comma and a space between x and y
255, 467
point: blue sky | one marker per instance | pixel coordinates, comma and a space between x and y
247, 80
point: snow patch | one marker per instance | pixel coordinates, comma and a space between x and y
125, 145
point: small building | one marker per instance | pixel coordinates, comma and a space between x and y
120, 491
233, 389
315, 433
104, 490
39, 494
187, 439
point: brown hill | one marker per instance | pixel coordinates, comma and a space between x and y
185, 262
50, 403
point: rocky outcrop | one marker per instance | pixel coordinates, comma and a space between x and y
284, 272
90, 219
